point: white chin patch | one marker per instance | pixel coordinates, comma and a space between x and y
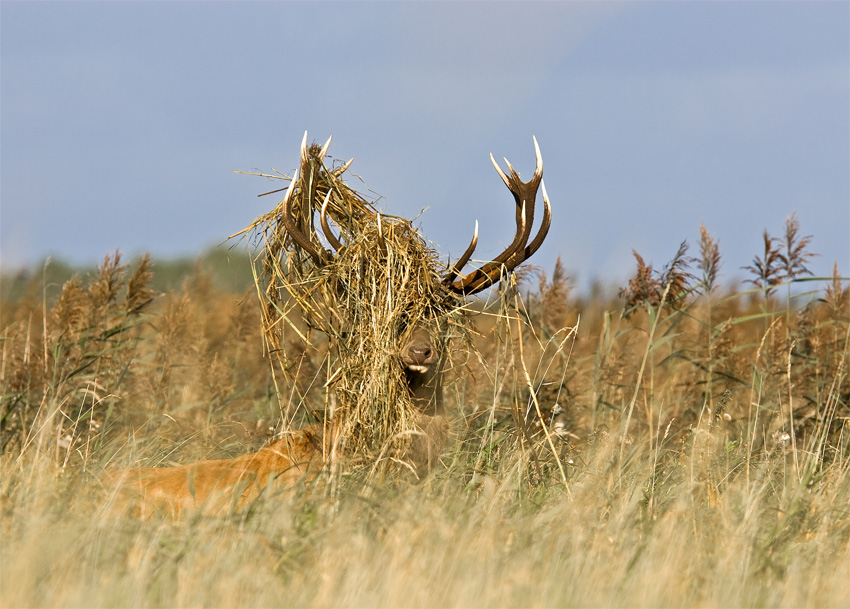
419, 369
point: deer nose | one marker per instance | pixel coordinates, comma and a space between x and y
419, 353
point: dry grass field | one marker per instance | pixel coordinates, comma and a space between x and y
683, 444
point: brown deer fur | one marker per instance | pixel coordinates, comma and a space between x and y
217, 485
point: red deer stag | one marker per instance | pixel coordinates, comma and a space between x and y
218, 485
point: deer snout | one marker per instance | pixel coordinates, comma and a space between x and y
417, 355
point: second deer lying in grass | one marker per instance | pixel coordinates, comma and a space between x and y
219, 485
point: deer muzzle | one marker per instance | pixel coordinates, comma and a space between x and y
419, 355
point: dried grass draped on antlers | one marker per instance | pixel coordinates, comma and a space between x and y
379, 282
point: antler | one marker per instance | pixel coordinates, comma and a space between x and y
307, 240
525, 194
326, 228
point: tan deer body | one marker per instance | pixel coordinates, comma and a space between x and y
219, 485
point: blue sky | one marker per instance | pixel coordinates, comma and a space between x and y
121, 123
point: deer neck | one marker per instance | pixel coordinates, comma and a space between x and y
426, 389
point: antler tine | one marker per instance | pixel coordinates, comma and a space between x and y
490, 273
341, 170
304, 148
326, 228
519, 250
538, 158
464, 258
499, 170
309, 178
544, 225
324, 150
292, 227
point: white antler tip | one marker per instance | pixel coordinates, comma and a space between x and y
499, 171
304, 146
289, 190
538, 169
325, 147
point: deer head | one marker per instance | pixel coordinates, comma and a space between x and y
371, 283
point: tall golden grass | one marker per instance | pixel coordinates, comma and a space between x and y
685, 444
